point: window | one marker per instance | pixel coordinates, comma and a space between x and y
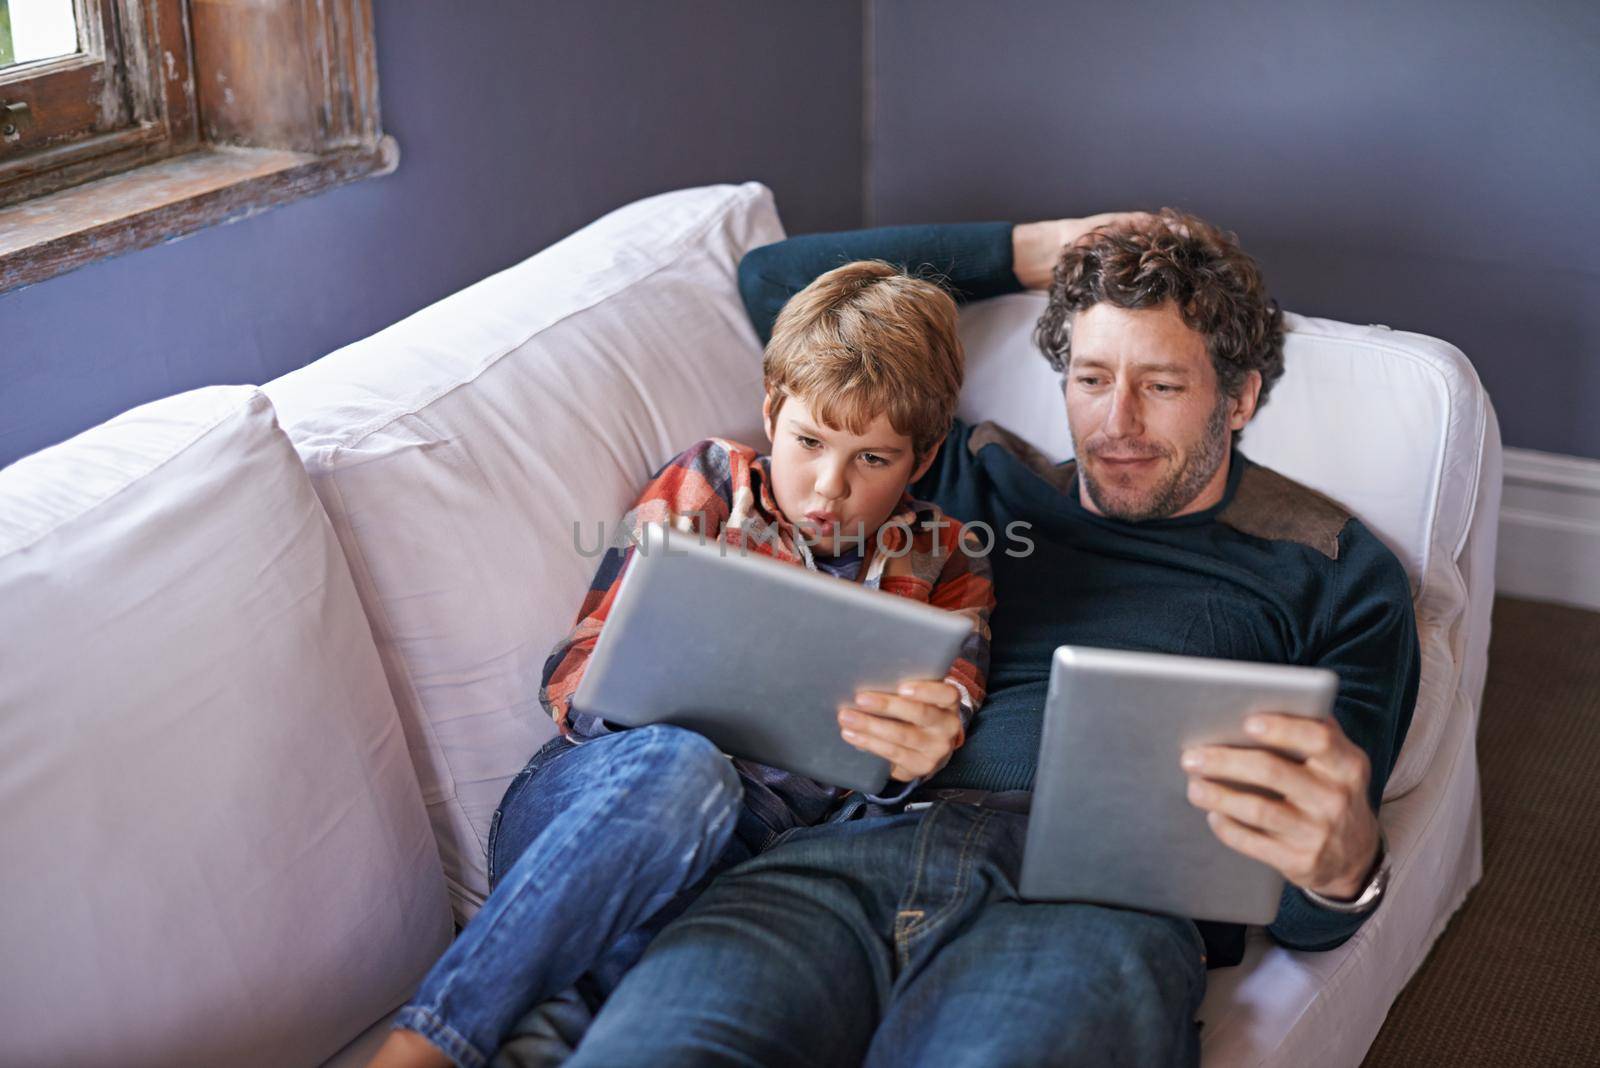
45, 29
114, 114
83, 94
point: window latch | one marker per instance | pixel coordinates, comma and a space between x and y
14, 118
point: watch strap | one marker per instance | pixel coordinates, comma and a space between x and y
1370, 895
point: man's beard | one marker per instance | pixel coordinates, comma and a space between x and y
1184, 484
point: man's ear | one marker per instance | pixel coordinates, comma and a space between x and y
926, 462
1242, 408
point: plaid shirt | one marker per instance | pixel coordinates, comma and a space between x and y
722, 491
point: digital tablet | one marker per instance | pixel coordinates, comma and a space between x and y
757, 654
1111, 820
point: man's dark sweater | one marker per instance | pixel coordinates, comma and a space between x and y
1274, 572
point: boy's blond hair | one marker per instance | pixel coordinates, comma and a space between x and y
867, 339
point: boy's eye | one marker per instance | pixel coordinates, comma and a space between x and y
808, 443
874, 460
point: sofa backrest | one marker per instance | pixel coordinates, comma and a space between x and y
1392, 425
454, 450
214, 847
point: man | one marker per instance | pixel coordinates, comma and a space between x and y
894, 934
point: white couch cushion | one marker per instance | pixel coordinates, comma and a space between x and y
215, 849
455, 449
1389, 424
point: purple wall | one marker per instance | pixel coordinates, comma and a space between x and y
518, 123
1433, 166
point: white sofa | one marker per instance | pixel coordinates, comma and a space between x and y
228, 618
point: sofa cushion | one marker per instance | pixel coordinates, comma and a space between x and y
215, 848
455, 450
1390, 424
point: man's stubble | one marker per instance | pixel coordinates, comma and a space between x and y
1183, 486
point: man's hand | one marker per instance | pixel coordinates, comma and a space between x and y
915, 730
1035, 247
1320, 833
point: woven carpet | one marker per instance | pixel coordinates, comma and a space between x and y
1515, 978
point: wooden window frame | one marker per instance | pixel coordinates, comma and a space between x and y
178, 114
122, 100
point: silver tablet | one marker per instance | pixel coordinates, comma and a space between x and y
1111, 821
757, 655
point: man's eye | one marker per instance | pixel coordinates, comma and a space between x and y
1089, 380
1166, 387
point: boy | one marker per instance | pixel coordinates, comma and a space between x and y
605, 835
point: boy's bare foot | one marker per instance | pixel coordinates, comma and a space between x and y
407, 1049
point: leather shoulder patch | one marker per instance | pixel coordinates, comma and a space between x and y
1064, 478
1268, 505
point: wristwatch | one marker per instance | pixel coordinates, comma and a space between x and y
1369, 897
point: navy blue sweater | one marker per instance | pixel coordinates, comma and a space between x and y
1273, 572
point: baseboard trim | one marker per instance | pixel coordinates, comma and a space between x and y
1549, 545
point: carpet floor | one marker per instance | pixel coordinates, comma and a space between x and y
1515, 978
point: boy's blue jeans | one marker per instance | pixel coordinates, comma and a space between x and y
590, 842
899, 940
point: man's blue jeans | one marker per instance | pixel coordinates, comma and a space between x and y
899, 940
594, 846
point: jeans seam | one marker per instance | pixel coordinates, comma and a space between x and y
567, 840
512, 787
1196, 941
494, 824
494, 830
453, 1045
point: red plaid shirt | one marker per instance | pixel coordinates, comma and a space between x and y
722, 491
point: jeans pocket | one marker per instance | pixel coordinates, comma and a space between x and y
494, 831
1196, 959
535, 762
1198, 940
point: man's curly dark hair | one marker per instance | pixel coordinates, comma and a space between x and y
1179, 257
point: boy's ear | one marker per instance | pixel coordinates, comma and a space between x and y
926, 462
766, 418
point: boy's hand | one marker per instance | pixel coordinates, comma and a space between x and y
915, 730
